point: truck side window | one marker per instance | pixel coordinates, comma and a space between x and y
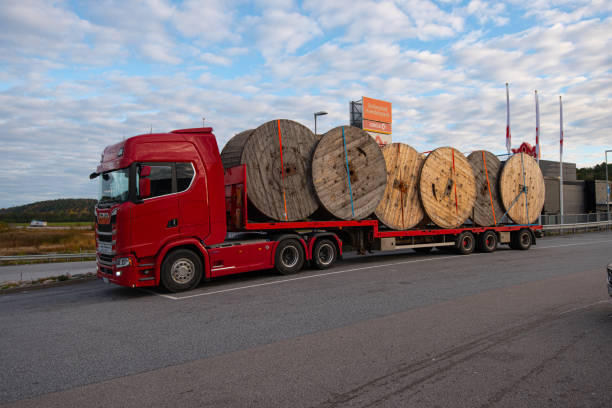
184, 175
161, 180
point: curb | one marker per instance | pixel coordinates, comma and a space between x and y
48, 285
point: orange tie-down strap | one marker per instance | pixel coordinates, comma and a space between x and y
455, 183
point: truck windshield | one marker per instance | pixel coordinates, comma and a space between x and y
114, 186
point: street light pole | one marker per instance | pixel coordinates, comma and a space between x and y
320, 113
607, 186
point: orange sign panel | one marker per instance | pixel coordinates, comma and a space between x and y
378, 127
378, 111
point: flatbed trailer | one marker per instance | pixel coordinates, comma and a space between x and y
193, 223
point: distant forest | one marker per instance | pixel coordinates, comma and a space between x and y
598, 172
62, 210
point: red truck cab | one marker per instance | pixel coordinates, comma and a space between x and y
157, 192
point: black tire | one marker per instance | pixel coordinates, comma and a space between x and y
181, 270
465, 243
289, 257
324, 254
487, 241
523, 240
422, 250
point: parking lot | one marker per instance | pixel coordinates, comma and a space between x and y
507, 329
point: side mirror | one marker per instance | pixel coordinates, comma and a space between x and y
144, 183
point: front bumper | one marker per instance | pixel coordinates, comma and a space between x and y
132, 276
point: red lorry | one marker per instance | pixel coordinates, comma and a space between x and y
169, 214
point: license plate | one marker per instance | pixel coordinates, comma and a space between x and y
105, 280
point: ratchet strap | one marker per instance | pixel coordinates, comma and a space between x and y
348, 174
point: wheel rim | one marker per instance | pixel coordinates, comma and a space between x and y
467, 242
290, 256
182, 271
525, 239
325, 255
490, 242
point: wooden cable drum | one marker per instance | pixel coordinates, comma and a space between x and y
447, 187
231, 155
278, 158
523, 205
400, 207
488, 208
348, 173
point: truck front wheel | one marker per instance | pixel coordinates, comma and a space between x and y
289, 257
324, 254
181, 270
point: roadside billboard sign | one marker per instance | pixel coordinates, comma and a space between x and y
378, 127
376, 110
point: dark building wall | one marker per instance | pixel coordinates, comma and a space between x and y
574, 193
551, 169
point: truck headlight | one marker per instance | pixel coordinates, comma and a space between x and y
123, 262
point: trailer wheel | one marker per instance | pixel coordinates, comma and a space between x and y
289, 257
324, 254
487, 241
522, 240
465, 243
181, 270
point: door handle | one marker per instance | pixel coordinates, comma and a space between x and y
172, 223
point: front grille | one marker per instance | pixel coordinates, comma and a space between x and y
105, 227
106, 259
106, 270
105, 237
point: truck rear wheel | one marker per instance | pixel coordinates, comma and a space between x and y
289, 257
521, 240
487, 241
465, 243
181, 270
324, 254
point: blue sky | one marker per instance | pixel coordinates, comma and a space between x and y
76, 76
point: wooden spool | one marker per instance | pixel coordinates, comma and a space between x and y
273, 187
231, 155
366, 169
400, 207
518, 171
447, 187
488, 208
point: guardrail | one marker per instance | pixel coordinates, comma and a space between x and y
576, 226
47, 257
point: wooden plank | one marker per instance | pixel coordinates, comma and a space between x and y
447, 187
518, 171
272, 188
400, 207
366, 172
488, 208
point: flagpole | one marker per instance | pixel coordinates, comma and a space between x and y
537, 112
508, 137
561, 158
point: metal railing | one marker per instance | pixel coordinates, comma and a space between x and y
577, 222
48, 257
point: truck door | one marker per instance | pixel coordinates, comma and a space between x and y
193, 201
155, 220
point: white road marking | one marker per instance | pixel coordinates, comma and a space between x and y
584, 307
320, 275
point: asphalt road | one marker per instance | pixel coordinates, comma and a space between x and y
508, 329
44, 270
